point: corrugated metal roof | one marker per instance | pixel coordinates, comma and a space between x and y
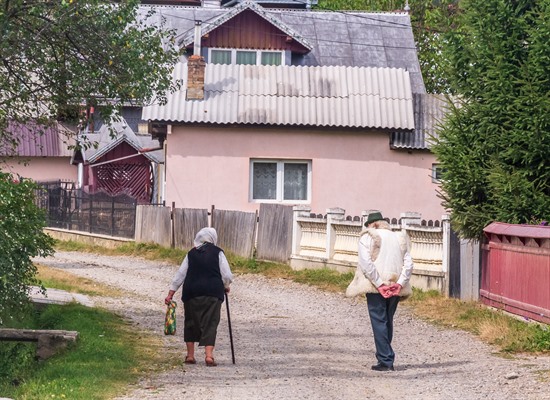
110, 136
346, 38
332, 96
38, 141
530, 231
429, 114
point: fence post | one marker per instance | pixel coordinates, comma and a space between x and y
212, 208
254, 233
446, 232
298, 211
333, 214
173, 225
410, 218
112, 216
90, 213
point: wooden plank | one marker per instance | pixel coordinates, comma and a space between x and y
155, 225
235, 231
187, 222
469, 270
32, 335
274, 232
454, 265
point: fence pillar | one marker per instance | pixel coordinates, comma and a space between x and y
446, 231
410, 218
298, 211
333, 214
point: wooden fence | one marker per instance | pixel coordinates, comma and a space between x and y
153, 225
177, 227
187, 222
516, 270
303, 239
274, 233
236, 231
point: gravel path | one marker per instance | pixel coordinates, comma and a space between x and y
296, 342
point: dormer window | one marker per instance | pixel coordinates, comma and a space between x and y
245, 57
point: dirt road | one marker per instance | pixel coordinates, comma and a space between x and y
296, 342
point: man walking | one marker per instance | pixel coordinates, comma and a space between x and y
385, 260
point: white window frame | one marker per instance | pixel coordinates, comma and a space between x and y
258, 54
280, 181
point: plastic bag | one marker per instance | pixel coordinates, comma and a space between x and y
170, 319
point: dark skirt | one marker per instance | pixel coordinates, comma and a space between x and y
202, 316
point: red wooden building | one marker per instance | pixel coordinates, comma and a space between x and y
121, 162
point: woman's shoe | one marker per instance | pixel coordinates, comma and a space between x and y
190, 360
210, 362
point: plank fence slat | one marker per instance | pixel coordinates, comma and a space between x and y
274, 233
154, 225
235, 231
187, 222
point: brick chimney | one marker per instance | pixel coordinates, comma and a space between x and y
195, 68
195, 77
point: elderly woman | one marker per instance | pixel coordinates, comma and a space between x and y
205, 276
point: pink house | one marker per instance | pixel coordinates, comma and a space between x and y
297, 107
40, 153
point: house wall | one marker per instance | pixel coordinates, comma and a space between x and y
41, 168
248, 30
355, 171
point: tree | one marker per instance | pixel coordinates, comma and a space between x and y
430, 20
494, 149
58, 55
21, 237
54, 57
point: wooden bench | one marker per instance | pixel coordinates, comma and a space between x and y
49, 341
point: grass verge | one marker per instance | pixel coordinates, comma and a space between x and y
108, 355
495, 327
63, 280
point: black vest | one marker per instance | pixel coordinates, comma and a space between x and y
203, 275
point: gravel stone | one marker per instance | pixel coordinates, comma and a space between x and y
293, 341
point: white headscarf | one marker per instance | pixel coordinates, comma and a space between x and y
206, 235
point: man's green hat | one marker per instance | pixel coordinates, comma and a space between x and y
373, 217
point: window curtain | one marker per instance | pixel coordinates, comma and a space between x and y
220, 57
271, 58
246, 57
264, 181
295, 182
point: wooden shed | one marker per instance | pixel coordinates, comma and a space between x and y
119, 161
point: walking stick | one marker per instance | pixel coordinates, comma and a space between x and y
230, 331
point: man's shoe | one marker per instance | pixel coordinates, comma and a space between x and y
382, 367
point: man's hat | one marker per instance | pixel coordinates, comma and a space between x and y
373, 217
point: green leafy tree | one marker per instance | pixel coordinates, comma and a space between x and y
495, 148
55, 55
21, 237
430, 20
